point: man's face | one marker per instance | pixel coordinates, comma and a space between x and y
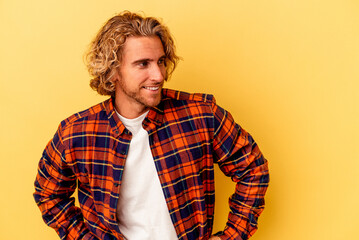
141, 76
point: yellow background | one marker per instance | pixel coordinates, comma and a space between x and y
287, 70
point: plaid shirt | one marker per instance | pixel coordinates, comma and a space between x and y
187, 134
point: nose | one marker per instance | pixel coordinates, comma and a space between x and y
157, 73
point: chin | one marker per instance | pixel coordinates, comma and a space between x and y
154, 102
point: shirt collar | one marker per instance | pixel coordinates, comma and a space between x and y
117, 126
155, 116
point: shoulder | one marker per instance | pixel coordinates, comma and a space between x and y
88, 116
183, 105
173, 95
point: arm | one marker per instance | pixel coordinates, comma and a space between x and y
55, 183
239, 157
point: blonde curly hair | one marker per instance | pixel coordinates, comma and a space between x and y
105, 52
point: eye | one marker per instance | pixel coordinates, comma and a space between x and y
143, 64
162, 61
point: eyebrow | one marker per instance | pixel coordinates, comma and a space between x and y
146, 60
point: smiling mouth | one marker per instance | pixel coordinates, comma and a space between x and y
152, 88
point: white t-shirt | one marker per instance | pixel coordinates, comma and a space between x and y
142, 211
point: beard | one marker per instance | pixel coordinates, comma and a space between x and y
140, 95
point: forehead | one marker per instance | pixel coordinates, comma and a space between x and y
143, 47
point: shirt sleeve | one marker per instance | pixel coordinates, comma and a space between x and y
55, 183
239, 157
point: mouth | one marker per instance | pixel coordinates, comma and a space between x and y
152, 88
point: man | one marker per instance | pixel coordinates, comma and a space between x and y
143, 160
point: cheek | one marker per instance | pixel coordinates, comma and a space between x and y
163, 71
135, 78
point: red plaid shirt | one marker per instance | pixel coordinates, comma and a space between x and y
187, 134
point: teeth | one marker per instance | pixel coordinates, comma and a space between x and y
152, 88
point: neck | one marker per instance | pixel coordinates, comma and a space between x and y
129, 111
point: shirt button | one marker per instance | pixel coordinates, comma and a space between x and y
116, 184
112, 216
123, 152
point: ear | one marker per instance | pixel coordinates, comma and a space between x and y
115, 76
